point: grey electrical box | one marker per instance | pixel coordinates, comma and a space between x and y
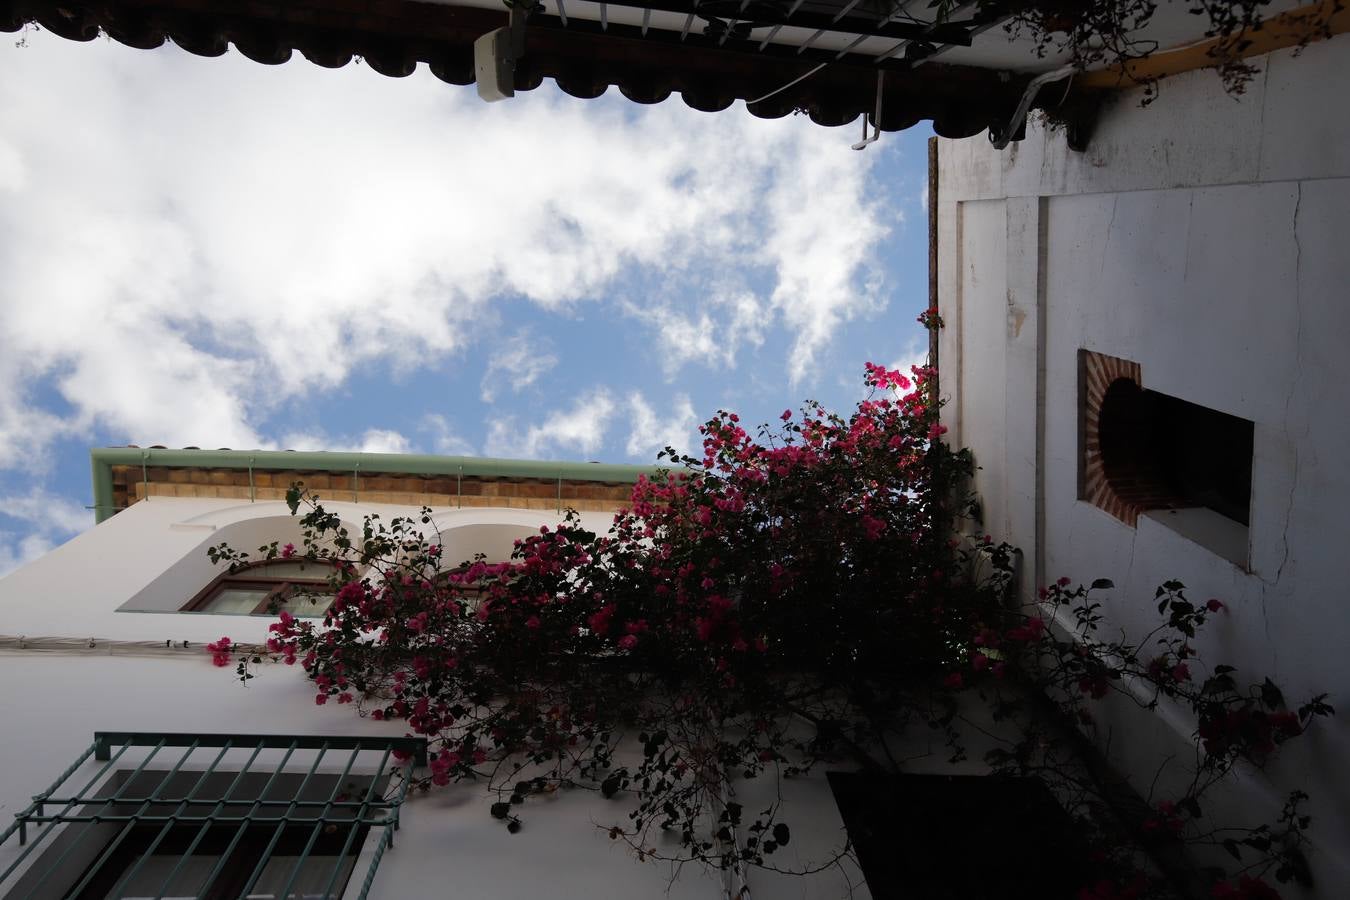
494, 65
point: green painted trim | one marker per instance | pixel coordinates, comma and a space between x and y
102, 459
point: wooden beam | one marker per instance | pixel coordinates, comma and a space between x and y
1289, 29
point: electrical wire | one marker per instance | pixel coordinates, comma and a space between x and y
113, 647
780, 90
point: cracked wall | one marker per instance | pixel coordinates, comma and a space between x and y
1204, 238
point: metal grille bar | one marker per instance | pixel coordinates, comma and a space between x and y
777, 28
417, 747
840, 21
121, 818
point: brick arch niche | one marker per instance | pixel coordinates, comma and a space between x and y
1115, 473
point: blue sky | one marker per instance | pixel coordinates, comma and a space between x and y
216, 253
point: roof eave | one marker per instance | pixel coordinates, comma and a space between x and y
102, 460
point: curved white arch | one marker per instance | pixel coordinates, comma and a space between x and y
180, 582
462, 533
239, 512
493, 531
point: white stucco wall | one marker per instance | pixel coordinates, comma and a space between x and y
51, 703
1204, 238
153, 556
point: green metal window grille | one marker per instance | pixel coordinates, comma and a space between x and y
165, 808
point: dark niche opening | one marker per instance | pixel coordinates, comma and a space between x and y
1163, 452
961, 837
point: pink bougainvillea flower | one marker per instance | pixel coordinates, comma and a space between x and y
288, 551
220, 651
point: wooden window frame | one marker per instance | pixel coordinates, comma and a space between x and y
473, 594
278, 589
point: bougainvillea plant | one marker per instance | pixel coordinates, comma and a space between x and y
1239, 724
777, 602
1095, 33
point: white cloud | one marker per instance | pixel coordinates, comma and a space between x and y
818, 256
247, 235
713, 336
914, 354
578, 430
24, 426
682, 338
49, 520
651, 433
517, 364
48, 512
372, 440
16, 550
444, 439
383, 440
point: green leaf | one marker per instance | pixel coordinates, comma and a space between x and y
1103, 584
500, 810
1232, 847
781, 834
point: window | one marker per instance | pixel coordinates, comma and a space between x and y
222, 862
1180, 453
471, 592
300, 587
189, 821
1145, 453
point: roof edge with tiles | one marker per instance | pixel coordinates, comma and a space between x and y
358, 466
